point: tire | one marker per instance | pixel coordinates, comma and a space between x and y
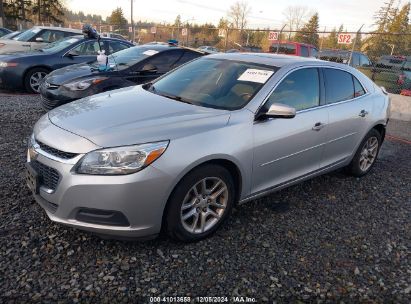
186, 202
33, 78
357, 167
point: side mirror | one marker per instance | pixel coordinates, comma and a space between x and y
148, 69
72, 53
39, 39
278, 110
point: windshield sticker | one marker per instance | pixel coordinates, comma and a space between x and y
254, 75
36, 30
150, 52
72, 40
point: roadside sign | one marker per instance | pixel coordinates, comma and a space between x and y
273, 35
130, 29
111, 28
221, 33
184, 31
345, 39
153, 30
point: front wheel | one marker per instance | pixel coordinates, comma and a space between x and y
366, 155
200, 203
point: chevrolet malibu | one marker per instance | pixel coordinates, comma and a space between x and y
176, 154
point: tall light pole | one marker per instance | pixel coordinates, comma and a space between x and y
133, 36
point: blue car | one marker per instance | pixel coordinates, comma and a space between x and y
26, 70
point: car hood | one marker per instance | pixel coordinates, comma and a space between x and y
132, 115
72, 72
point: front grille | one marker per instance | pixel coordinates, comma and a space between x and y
55, 152
48, 177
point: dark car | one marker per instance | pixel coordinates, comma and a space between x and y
391, 72
358, 59
136, 65
4, 31
26, 70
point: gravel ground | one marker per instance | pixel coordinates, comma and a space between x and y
334, 238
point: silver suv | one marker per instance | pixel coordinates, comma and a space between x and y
178, 153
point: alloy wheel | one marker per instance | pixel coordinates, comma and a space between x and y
204, 205
368, 153
36, 79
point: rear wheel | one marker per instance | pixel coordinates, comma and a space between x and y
366, 155
34, 78
200, 203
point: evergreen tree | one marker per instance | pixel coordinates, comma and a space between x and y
399, 25
309, 32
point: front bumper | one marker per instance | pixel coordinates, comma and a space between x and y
140, 197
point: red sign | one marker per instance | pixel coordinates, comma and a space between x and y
273, 36
344, 38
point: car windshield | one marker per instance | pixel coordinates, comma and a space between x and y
214, 83
27, 35
60, 44
129, 57
10, 35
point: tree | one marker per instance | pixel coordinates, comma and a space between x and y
309, 32
399, 25
295, 17
117, 19
238, 14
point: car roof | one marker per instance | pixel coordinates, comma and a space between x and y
66, 29
102, 38
165, 47
265, 58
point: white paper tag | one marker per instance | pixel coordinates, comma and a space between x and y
150, 52
254, 75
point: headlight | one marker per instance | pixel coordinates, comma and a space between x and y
4, 64
83, 84
121, 160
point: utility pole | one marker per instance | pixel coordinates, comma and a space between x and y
132, 22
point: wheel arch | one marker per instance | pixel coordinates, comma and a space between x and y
42, 66
226, 163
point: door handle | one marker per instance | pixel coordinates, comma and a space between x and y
318, 126
363, 113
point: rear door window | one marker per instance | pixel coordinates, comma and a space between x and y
358, 88
364, 61
300, 90
339, 85
304, 51
314, 52
355, 60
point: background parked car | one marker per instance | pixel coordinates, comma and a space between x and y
294, 49
36, 38
27, 69
4, 31
209, 49
11, 35
343, 56
113, 35
136, 65
391, 72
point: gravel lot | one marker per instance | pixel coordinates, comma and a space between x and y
334, 238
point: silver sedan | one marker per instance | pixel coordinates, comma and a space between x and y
177, 154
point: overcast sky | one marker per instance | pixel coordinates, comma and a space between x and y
351, 13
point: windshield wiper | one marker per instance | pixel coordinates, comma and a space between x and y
175, 97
